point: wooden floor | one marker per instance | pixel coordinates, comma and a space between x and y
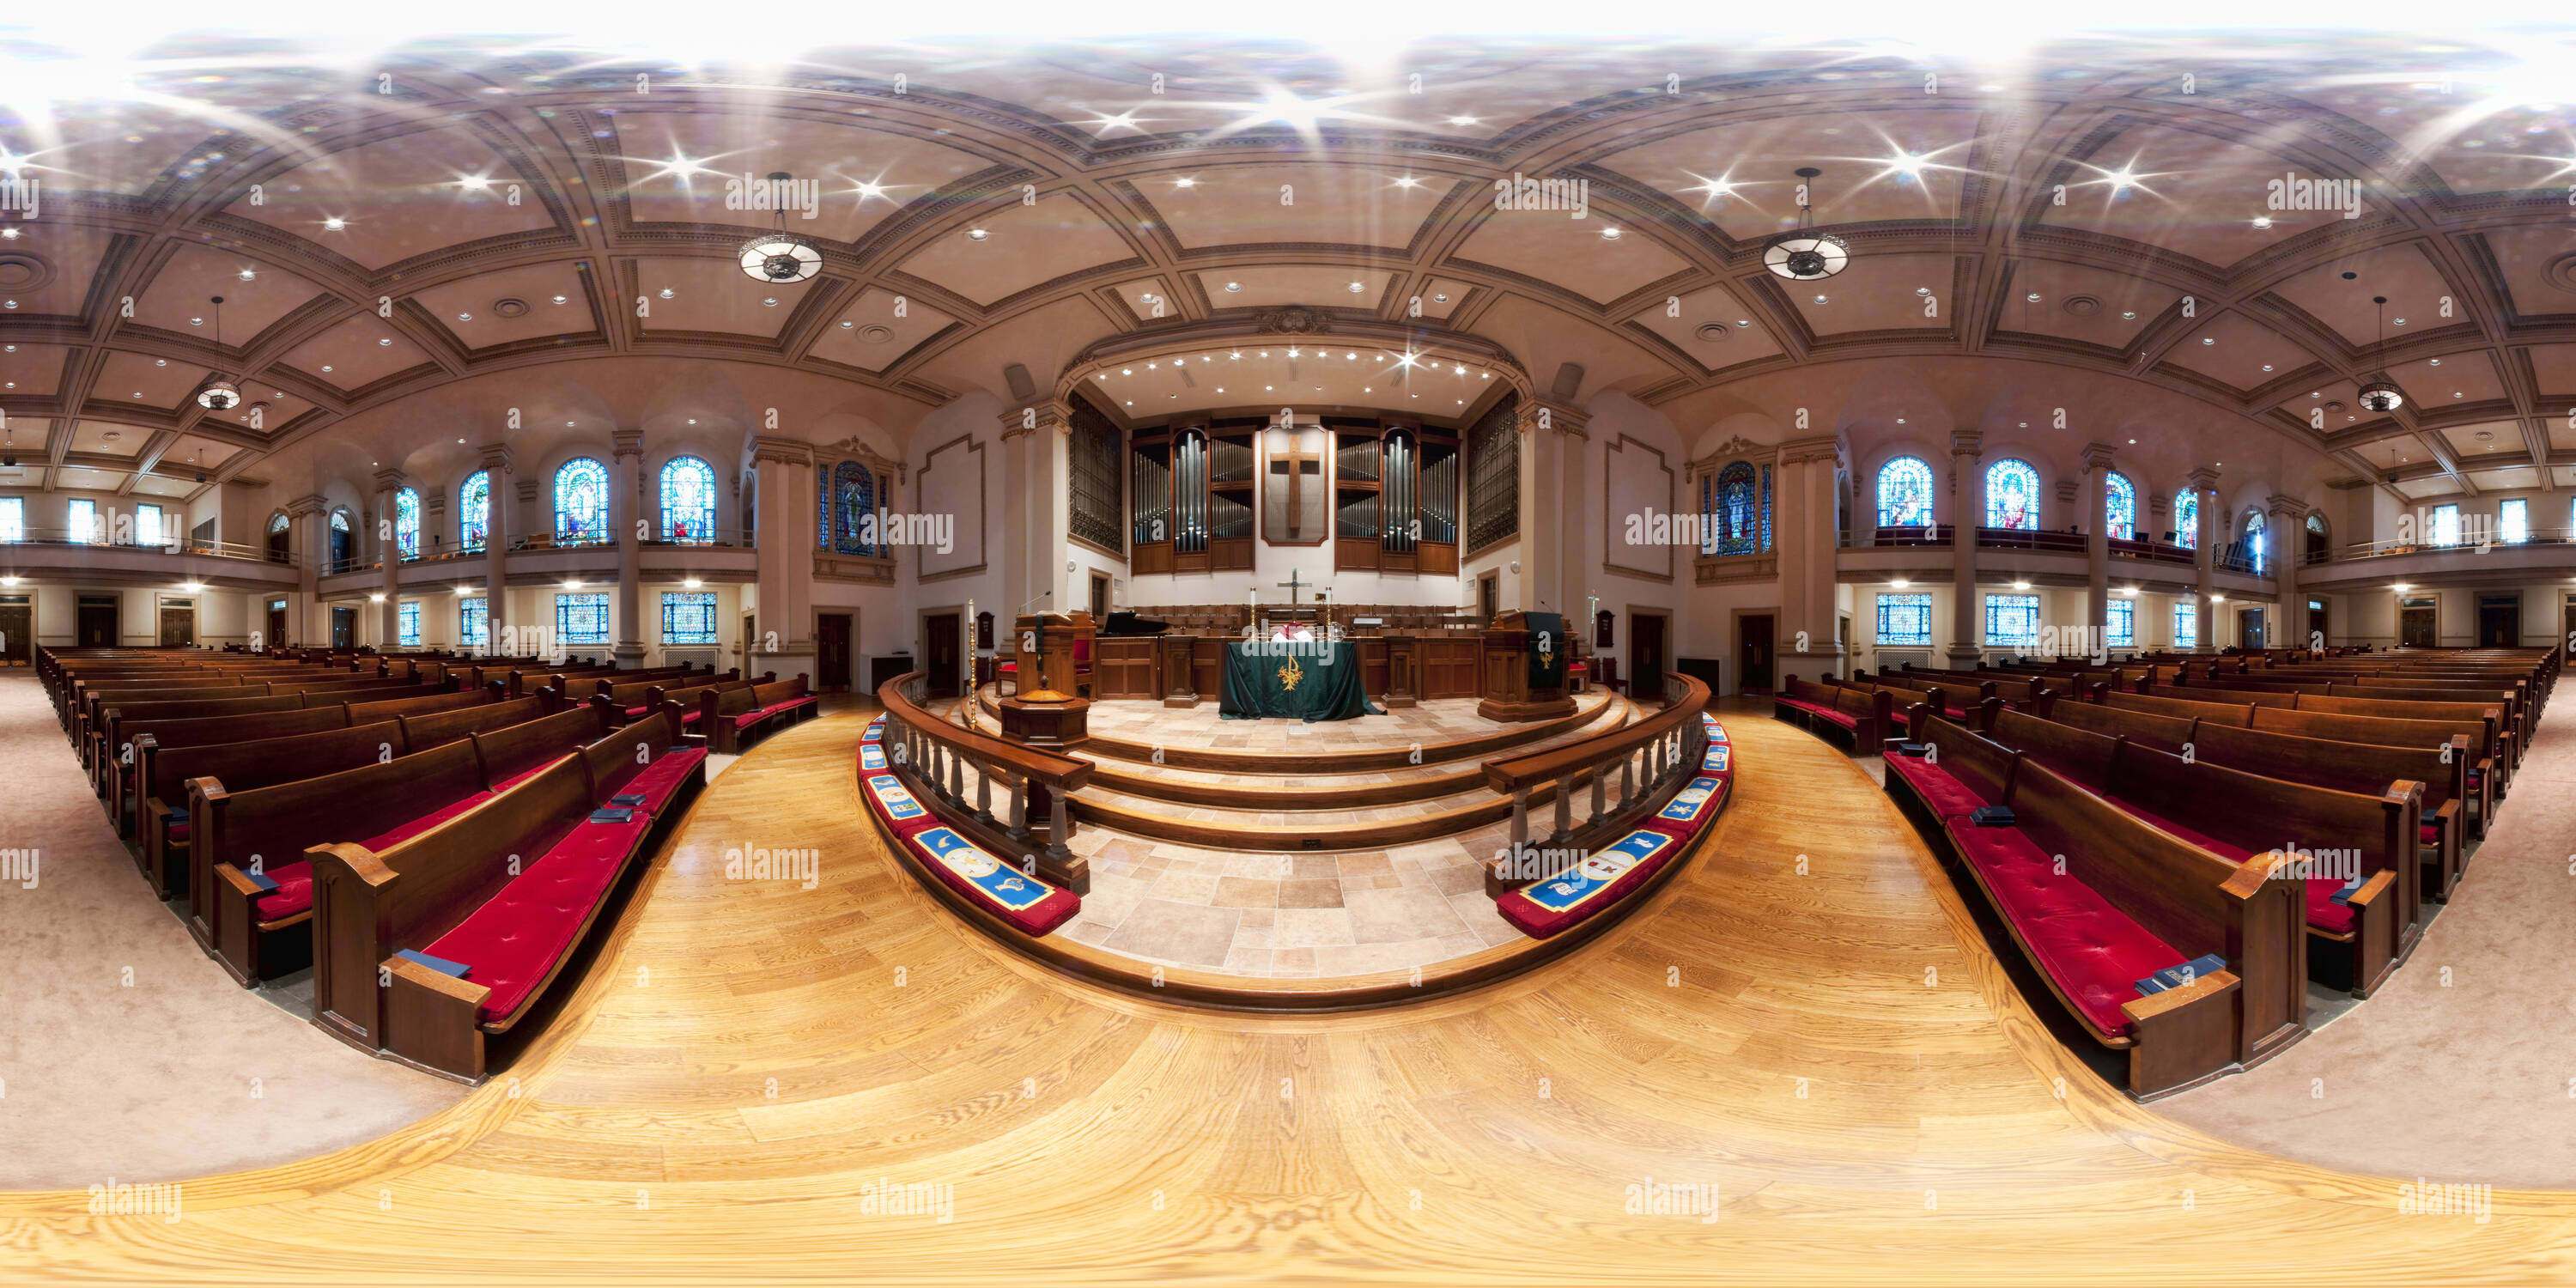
1803, 1019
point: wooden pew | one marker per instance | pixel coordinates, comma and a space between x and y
1865, 716
452, 894
2019, 690
732, 719
579, 688
122, 778
241, 766
1955, 699
437, 729
2128, 901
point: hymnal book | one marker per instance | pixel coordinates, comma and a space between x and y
439, 964
628, 798
2345, 893
266, 884
618, 814
2177, 976
1911, 748
1991, 816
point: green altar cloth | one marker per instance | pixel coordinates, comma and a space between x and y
1306, 681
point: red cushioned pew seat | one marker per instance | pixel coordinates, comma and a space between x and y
512, 943
2094, 953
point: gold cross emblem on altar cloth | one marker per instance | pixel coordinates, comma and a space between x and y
1289, 675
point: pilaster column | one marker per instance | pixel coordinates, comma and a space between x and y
1967, 494
783, 536
2097, 544
1807, 542
2203, 482
1037, 442
306, 515
535, 634
2285, 520
1553, 436
389, 555
496, 545
626, 510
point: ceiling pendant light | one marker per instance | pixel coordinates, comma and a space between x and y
2381, 394
219, 394
780, 256
1806, 255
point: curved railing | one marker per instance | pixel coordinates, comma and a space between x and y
937, 753
1660, 750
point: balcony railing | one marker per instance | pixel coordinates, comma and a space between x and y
177, 546
2384, 549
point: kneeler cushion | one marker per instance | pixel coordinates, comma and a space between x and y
1553, 906
1030, 903
895, 806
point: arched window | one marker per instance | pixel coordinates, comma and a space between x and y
689, 501
1738, 510
2254, 542
2187, 519
2012, 496
407, 524
581, 501
344, 540
277, 538
2119, 507
854, 505
474, 510
1905, 494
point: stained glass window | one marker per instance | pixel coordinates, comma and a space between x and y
2187, 519
1905, 619
471, 618
581, 619
854, 490
2012, 496
13, 519
83, 518
407, 523
2254, 543
688, 617
147, 524
474, 510
689, 501
581, 502
2119, 507
410, 619
2012, 620
1738, 530
2121, 629
2513, 522
2186, 624
1905, 494
1766, 508
2446, 525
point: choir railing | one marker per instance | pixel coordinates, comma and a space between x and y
937, 759
1647, 758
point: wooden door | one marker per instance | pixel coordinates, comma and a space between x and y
1753, 634
941, 654
276, 624
98, 624
178, 626
2249, 628
17, 632
1646, 656
2499, 623
832, 652
2415, 628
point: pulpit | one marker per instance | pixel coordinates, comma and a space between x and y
1180, 684
1523, 657
1403, 674
1047, 711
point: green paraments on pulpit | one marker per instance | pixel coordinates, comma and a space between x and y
1548, 647
1308, 681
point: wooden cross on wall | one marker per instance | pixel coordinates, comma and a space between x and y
1291, 459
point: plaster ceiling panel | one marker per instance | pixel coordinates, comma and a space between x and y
2501, 437
2512, 143
1147, 299
356, 352
266, 408
2239, 352
2453, 380
398, 198
863, 175
2562, 434
107, 438
2078, 302
870, 336
132, 380
2539, 267
1441, 296
2414, 287
45, 271
1743, 175
1877, 293
1301, 375
1252, 205
526, 303
1318, 285
712, 295
2429, 486
2553, 369
1570, 254
31, 370
2517, 479
87, 480
1714, 328
1043, 339
180, 296
191, 451
2394, 452
2181, 190
127, 156
1023, 246
163, 485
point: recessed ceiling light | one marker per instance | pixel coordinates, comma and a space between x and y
2434, 361
2128, 315
1185, 183
2397, 321
1406, 181
1609, 234
464, 317
1234, 286
1440, 298
248, 274
2209, 339
2267, 366
160, 362
8, 234
847, 325
976, 234
559, 299
1923, 290
335, 223
387, 340
2262, 221
769, 302
1463, 120
1357, 287
668, 293
1821, 299
326, 371
2033, 297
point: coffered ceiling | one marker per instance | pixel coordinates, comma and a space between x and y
491, 206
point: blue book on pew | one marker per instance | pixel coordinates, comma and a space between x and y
1911, 748
2344, 893
439, 964
1991, 816
178, 818
616, 814
627, 798
265, 883
2177, 976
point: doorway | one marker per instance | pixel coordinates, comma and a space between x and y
1646, 660
2499, 621
1099, 597
98, 621
939, 651
832, 652
2415, 626
750, 625
178, 624
1753, 636
2249, 628
344, 627
276, 624
17, 631
1489, 597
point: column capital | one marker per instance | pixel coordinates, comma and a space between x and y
1030, 417
2097, 456
310, 503
1535, 414
388, 480
781, 451
496, 458
2288, 507
1965, 442
527, 491
1821, 447
624, 443
2203, 478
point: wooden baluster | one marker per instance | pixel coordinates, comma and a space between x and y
1564, 812
1520, 821
1059, 825
956, 777
1600, 781
1020, 809
984, 795
1627, 778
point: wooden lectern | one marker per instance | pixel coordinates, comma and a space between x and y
1505, 657
1048, 714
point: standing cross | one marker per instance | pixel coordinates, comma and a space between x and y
1290, 586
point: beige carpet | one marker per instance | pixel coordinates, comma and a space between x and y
2463, 1066
124, 1051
